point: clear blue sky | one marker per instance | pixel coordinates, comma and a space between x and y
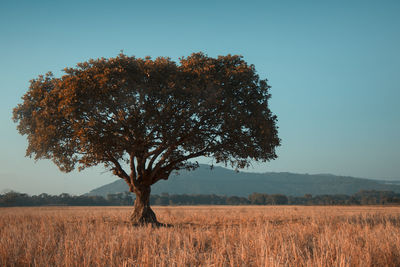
334, 67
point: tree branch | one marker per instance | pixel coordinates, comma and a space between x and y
155, 154
163, 172
170, 150
132, 164
119, 171
133, 175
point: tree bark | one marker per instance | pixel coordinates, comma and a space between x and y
142, 213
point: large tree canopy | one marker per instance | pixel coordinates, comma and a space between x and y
150, 117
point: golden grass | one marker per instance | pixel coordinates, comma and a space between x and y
201, 236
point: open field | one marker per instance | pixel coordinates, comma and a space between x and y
202, 236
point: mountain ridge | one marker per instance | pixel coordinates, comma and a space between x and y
223, 181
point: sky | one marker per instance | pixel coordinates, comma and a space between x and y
334, 68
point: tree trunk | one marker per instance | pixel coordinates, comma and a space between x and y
142, 213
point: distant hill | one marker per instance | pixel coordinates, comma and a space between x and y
222, 181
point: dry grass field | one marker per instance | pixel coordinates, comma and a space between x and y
201, 236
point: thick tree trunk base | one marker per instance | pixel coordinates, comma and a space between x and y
142, 213
144, 216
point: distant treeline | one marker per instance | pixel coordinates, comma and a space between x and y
370, 197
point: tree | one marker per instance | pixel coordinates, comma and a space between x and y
257, 198
277, 199
151, 117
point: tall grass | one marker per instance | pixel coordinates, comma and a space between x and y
201, 236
